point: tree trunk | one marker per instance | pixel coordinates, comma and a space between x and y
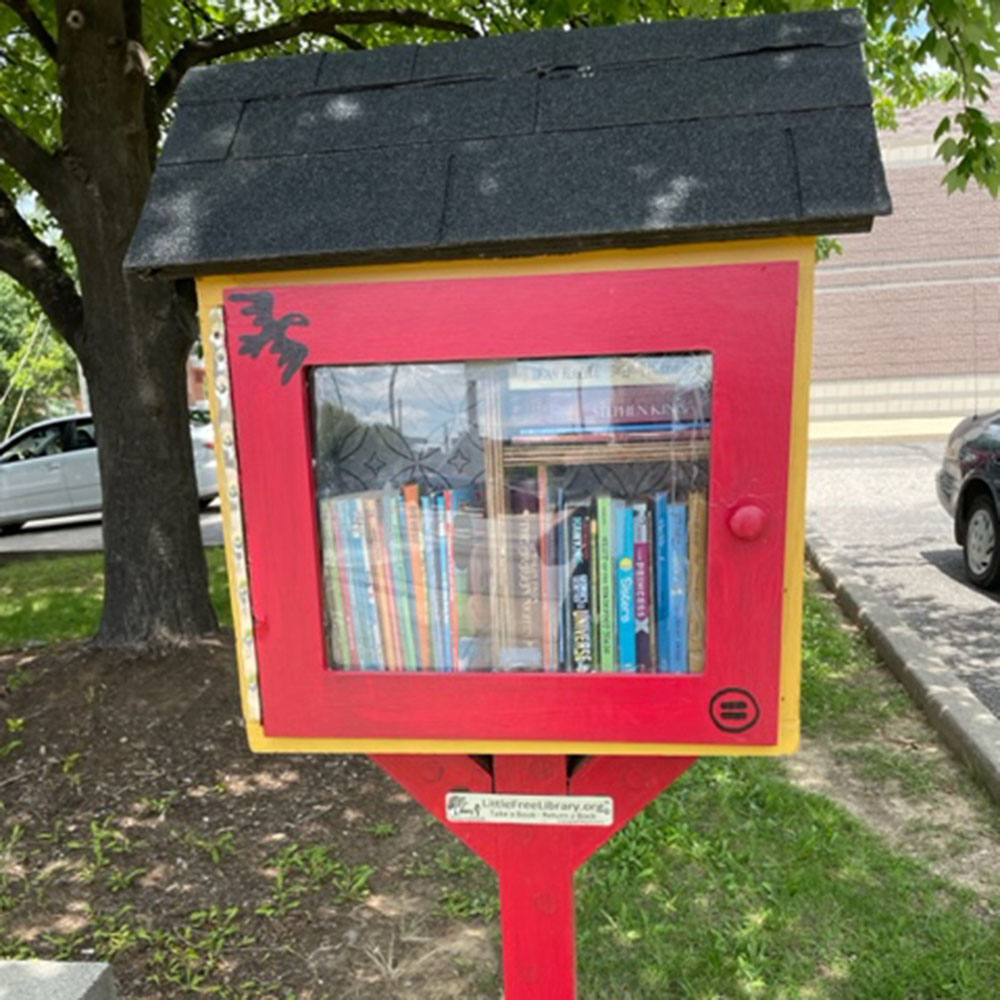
135, 339
156, 581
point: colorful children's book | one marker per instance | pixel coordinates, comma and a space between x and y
366, 586
547, 578
643, 589
395, 519
431, 546
625, 555
607, 576
582, 650
382, 584
562, 563
677, 557
340, 533
336, 619
415, 536
661, 577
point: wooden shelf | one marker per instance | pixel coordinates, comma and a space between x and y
604, 453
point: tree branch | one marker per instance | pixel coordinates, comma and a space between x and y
317, 22
36, 266
40, 168
34, 25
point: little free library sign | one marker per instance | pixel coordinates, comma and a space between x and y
509, 346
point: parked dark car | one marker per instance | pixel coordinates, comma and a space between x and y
968, 486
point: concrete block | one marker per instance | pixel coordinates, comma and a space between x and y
37, 980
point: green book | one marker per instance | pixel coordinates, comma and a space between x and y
606, 583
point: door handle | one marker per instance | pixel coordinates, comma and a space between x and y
52, 466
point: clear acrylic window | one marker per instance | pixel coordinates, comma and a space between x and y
529, 515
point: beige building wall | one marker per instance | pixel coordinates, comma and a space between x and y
907, 320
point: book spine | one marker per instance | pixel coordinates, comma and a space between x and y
671, 426
394, 519
626, 588
383, 588
366, 584
579, 590
526, 584
545, 570
697, 540
331, 585
677, 547
562, 633
448, 515
643, 587
433, 585
606, 581
584, 407
595, 588
415, 536
662, 581
337, 514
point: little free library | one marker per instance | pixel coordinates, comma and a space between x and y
509, 349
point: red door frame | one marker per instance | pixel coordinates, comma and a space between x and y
744, 314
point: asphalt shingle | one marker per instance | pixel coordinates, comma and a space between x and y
646, 133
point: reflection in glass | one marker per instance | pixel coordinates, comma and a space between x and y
541, 515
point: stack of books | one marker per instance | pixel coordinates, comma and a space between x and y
615, 585
397, 579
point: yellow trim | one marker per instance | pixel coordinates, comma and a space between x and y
801, 249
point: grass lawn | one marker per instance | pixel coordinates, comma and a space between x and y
46, 599
865, 868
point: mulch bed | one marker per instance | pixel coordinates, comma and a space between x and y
136, 826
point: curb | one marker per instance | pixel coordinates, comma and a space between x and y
965, 724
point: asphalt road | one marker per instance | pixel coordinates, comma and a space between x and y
83, 534
876, 503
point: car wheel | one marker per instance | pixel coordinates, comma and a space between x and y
982, 554
11, 529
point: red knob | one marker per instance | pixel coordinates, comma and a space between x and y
748, 522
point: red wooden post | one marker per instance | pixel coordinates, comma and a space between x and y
535, 863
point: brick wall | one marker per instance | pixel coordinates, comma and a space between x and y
919, 296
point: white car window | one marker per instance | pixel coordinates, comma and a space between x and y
43, 443
84, 436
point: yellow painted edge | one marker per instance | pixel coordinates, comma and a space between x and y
211, 292
795, 541
240, 627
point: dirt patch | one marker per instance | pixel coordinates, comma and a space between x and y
904, 784
136, 824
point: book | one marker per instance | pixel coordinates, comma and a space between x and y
449, 558
369, 618
382, 584
606, 582
415, 537
525, 652
624, 555
562, 632
661, 576
433, 583
643, 589
586, 407
677, 559
581, 645
336, 618
547, 579
337, 514
697, 540
402, 577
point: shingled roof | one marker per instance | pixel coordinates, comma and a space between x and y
537, 141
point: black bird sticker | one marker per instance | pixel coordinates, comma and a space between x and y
291, 353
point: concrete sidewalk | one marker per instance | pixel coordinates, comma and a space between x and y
963, 721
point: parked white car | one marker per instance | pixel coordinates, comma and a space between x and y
50, 469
